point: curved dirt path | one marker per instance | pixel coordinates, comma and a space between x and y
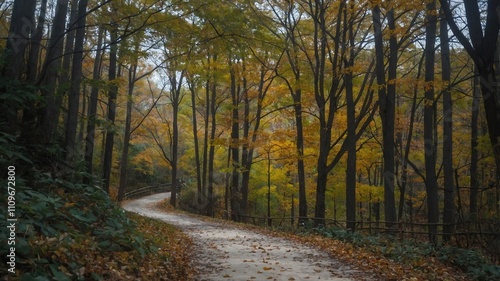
226, 252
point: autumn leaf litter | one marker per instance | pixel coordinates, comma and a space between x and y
223, 251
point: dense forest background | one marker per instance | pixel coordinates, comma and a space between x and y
378, 115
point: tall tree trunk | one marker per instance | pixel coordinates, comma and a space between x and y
449, 186
406, 153
92, 111
473, 170
82, 127
69, 45
211, 153
126, 134
318, 67
387, 113
175, 155
112, 95
483, 35
351, 125
389, 163
76, 81
326, 97
36, 44
250, 133
429, 124
50, 73
175, 77
199, 183
64, 80
227, 188
491, 98
20, 33
290, 24
211, 96
351, 155
29, 112
246, 151
234, 148
299, 127
206, 143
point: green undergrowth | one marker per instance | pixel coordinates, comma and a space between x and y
71, 231
62, 225
417, 254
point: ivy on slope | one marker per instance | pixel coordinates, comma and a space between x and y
433, 261
63, 228
72, 231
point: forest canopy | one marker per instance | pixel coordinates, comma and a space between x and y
349, 112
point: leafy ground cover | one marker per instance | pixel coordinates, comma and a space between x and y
387, 257
172, 244
391, 259
71, 231
75, 232
436, 262
372, 257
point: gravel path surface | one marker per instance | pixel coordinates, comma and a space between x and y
226, 252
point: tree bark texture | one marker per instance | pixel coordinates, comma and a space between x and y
76, 81
481, 48
429, 124
449, 186
111, 115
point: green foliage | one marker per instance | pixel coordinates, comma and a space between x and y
10, 152
63, 227
56, 222
188, 200
471, 262
414, 253
16, 95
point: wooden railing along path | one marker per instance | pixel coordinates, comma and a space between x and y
148, 190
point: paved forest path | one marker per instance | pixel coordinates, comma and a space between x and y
226, 252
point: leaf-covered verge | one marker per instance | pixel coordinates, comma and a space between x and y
386, 257
172, 244
392, 259
424, 259
70, 231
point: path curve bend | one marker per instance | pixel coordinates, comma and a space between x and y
226, 252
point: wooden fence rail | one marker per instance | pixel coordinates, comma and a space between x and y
375, 225
485, 227
478, 234
148, 190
